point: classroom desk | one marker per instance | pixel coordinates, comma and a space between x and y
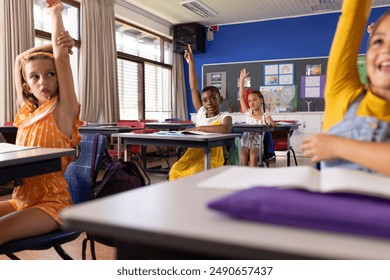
106, 130
181, 140
26, 163
91, 124
168, 125
174, 126
170, 220
243, 127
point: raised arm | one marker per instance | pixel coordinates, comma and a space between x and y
342, 78
68, 104
243, 75
195, 93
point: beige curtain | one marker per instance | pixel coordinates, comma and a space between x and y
98, 67
180, 109
16, 36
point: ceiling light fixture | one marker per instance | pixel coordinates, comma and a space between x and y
199, 8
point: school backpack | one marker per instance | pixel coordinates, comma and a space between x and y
118, 177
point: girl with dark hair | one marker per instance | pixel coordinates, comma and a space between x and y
255, 114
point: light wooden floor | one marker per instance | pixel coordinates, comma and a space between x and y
105, 252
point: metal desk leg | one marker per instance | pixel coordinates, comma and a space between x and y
207, 154
119, 148
143, 149
261, 150
288, 147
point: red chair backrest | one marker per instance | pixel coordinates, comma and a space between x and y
280, 137
8, 123
136, 124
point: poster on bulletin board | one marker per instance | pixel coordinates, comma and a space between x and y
273, 73
361, 64
279, 74
280, 98
218, 80
312, 86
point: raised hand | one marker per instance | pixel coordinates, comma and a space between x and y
65, 40
188, 55
243, 74
54, 6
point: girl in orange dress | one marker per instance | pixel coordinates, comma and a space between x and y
48, 117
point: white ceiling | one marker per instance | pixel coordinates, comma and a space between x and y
234, 11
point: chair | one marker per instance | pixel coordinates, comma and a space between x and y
10, 137
281, 143
81, 176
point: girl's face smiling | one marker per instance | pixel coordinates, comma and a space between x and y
41, 79
378, 59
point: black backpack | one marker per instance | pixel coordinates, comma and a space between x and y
118, 177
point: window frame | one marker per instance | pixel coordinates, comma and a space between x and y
47, 35
141, 61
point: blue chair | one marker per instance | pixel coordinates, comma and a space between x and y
81, 176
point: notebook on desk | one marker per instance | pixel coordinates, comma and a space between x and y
301, 177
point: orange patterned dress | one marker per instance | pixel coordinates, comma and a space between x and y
48, 192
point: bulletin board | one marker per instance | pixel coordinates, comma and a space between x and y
291, 85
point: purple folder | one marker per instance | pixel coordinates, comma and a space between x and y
340, 212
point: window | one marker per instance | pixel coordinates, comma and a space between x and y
129, 89
158, 97
71, 21
144, 74
70, 17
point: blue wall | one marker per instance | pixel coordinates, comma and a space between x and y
309, 36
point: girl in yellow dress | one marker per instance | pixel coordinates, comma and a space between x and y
48, 117
208, 119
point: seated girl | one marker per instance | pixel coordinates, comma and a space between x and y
208, 119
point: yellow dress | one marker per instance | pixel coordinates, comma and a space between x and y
193, 159
48, 192
343, 84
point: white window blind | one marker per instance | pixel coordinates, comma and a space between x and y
129, 90
156, 103
158, 100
